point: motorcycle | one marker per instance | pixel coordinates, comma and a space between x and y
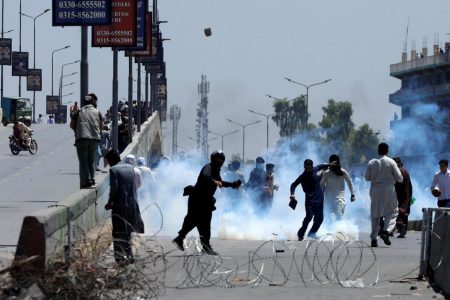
16, 146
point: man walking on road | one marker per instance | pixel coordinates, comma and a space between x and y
383, 173
87, 124
126, 215
310, 181
201, 202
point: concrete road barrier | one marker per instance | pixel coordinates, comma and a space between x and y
54, 231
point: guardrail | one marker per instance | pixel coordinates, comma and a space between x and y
53, 230
435, 248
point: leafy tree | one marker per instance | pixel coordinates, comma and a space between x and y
362, 145
337, 120
289, 115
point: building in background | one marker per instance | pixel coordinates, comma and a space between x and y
421, 134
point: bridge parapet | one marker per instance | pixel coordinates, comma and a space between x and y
51, 232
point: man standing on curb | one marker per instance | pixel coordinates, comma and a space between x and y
383, 173
87, 124
126, 215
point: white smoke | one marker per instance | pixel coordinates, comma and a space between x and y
245, 220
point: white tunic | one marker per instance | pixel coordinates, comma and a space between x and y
383, 173
333, 187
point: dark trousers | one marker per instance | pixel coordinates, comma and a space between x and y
201, 220
122, 246
443, 203
312, 210
86, 151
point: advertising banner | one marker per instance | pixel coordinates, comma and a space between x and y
157, 57
61, 114
81, 12
19, 63
141, 27
52, 104
161, 92
147, 50
122, 31
5, 51
34, 80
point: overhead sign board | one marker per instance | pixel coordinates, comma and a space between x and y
34, 80
81, 12
52, 103
123, 29
19, 63
147, 49
5, 51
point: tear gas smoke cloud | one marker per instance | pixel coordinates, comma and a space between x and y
244, 220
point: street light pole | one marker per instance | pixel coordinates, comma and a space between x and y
243, 134
267, 123
61, 77
223, 135
307, 95
53, 52
34, 54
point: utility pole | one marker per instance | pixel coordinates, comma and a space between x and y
202, 117
175, 114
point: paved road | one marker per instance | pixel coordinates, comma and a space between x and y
31, 182
226, 277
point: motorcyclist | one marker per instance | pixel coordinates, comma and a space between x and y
22, 133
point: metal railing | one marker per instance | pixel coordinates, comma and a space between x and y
433, 232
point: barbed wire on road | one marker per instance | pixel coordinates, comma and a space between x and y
334, 259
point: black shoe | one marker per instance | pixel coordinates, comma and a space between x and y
178, 242
374, 243
209, 250
88, 186
300, 238
401, 236
385, 237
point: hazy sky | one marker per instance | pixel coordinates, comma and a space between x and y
254, 44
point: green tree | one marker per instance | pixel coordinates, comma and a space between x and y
337, 120
362, 145
289, 115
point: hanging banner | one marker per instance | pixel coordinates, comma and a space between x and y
155, 60
52, 104
5, 51
61, 114
147, 49
123, 29
81, 12
142, 29
19, 63
34, 80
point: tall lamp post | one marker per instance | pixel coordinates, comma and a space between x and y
53, 52
267, 123
243, 134
34, 53
307, 94
223, 135
61, 77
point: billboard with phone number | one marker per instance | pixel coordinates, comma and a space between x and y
123, 29
81, 12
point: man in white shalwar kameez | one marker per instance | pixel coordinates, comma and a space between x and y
383, 173
333, 186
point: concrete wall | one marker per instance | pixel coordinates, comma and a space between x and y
439, 261
45, 232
